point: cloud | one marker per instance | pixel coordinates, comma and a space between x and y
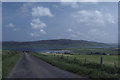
37, 24
26, 7
95, 17
38, 33
41, 11
42, 31
55, 6
69, 30
104, 36
74, 36
71, 4
110, 18
34, 34
96, 33
16, 29
10, 25
86, 35
76, 3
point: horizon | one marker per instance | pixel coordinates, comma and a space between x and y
59, 39
28, 21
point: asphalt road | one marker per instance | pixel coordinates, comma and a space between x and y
31, 67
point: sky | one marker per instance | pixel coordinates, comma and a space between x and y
31, 21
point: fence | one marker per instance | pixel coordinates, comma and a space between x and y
79, 61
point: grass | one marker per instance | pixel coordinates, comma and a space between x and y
93, 50
91, 69
9, 59
108, 60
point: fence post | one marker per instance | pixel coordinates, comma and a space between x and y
85, 60
101, 61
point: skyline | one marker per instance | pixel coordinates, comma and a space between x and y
60, 20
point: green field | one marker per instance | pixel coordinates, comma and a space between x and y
94, 50
9, 59
108, 60
91, 68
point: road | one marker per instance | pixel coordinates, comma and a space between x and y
31, 67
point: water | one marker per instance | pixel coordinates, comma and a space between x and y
27, 49
50, 49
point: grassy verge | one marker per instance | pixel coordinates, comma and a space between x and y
91, 70
9, 59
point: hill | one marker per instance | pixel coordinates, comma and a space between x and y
56, 43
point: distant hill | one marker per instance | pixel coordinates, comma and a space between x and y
56, 43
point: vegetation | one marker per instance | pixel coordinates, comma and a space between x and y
57, 43
92, 51
9, 59
108, 60
81, 66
